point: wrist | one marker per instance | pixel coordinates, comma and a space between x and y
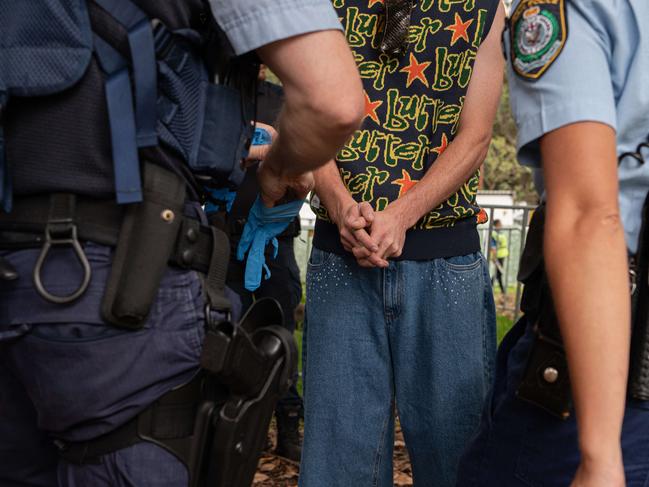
601, 453
404, 218
339, 208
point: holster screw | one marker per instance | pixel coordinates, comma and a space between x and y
168, 215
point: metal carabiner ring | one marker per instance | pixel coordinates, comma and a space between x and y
87, 271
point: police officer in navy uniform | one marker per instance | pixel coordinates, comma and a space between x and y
86, 369
560, 413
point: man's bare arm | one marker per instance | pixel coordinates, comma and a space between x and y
467, 151
586, 261
462, 157
323, 99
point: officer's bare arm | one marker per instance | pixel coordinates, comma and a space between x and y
323, 99
586, 262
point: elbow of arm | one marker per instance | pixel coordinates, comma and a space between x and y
340, 116
589, 219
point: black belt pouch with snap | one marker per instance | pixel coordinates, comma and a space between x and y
545, 383
146, 241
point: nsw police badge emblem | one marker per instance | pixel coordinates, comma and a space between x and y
538, 32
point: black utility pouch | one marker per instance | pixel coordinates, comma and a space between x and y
145, 244
546, 382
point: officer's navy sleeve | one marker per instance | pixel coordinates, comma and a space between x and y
250, 24
578, 87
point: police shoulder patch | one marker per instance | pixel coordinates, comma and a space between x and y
537, 32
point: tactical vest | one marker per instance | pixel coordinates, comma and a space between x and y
91, 88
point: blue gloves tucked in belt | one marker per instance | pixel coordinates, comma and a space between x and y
223, 195
262, 227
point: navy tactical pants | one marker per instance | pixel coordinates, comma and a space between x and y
65, 373
520, 445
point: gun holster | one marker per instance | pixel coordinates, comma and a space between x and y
546, 382
255, 361
216, 424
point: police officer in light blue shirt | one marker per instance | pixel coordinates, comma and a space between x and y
578, 75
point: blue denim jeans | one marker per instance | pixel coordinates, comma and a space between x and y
420, 334
520, 445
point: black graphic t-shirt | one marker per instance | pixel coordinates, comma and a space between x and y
412, 110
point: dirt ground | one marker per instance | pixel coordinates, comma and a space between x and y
275, 471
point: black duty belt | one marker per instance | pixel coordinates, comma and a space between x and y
147, 237
98, 221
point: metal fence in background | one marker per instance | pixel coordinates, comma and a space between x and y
508, 303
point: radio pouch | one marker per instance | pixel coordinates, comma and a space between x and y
546, 382
145, 244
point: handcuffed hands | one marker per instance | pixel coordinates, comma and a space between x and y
372, 237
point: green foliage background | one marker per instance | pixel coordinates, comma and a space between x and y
501, 169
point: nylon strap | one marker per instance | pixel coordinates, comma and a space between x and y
126, 163
217, 273
142, 47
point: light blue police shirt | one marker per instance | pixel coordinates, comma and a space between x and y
250, 24
602, 75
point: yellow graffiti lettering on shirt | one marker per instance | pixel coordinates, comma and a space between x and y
359, 27
345, 175
403, 109
382, 203
447, 114
479, 30
363, 142
418, 34
452, 67
365, 183
413, 152
435, 220
445, 5
377, 70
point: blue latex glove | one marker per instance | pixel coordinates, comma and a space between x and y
261, 137
223, 194
262, 227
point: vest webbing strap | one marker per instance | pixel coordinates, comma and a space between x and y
129, 129
142, 48
126, 164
